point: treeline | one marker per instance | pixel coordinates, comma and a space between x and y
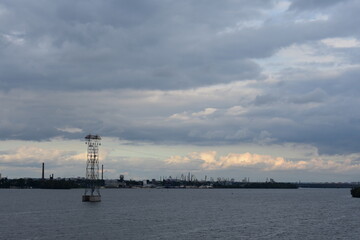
263, 185
44, 183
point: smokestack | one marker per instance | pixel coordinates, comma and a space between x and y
43, 171
102, 171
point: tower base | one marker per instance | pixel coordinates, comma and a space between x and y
91, 198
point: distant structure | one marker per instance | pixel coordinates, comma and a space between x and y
92, 192
102, 171
43, 171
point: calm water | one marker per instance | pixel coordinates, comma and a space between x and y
180, 214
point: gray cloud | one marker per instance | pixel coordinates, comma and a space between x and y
303, 5
148, 70
142, 45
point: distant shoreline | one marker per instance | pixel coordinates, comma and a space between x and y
61, 183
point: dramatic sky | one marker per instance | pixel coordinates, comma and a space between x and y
230, 88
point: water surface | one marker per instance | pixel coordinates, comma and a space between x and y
180, 214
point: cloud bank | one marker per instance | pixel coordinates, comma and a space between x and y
211, 161
206, 73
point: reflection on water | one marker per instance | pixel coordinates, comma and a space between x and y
180, 214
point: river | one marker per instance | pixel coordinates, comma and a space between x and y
180, 214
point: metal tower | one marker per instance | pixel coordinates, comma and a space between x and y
92, 193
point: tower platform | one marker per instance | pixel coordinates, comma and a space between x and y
91, 198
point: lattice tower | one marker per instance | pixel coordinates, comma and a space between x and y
92, 165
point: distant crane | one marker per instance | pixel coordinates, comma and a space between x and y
92, 192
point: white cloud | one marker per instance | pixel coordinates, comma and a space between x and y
310, 56
70, 130
236, 110
177, 160
210, 161
341, 42
14, 38
184, 116
317, 18
205, 112
56, 151
33, 154
304, 53
253, 24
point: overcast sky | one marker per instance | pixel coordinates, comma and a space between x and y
225, 88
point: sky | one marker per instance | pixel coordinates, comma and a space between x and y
233, 88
